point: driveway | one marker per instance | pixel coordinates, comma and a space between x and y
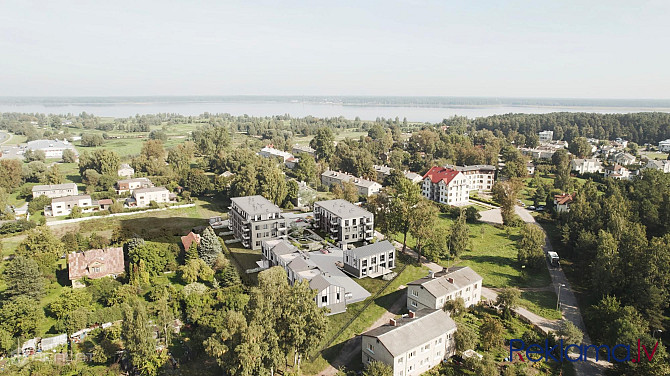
569, 306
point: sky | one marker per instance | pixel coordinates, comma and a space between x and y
557, 49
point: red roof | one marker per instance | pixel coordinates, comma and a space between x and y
95, 263
565, 198
187, 240
438, 174
105, 201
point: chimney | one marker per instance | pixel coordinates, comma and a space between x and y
412, 314
392, 322
451, 280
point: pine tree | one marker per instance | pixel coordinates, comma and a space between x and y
230, 276
210, 247
191, 252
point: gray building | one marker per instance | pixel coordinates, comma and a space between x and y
344, 221
371, 260
254, 219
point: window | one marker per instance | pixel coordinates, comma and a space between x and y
371, 348
373, 260
414, 303
475, 286
410, 356
415, 293
391, 257
324, 299
390, 264
337, 297
427, 347
400, 361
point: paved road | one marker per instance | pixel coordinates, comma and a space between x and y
569, 305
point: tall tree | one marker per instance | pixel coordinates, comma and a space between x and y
23, 278
491, 333
41, 245
459, 236
530, 246
323, 143
422, 223
210, 247
376, 368
306, 169
505, 193
139, 342
508, 299
405, 197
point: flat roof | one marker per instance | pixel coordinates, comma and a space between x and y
343, 208
54, 186
255, 205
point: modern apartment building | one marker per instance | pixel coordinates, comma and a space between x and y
412, 344
254, 219
436, 289
372, 260
344, 221
144, 196
64, 205
546, 136
446, 186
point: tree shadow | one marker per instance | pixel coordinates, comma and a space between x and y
157, 229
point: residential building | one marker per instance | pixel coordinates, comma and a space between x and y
372, 260
664, 146
269, 152
540, 152
55, 190
334, 288
438, 288
143, 196
254, 219
546, 136
563, 201
412, 344
291, 162
94, 264
446, 186
584, 166
126, 171
617, 172
64, 205
623, 159
661, 165
105, 203
344, 221
51, 148
413, 176
382, 172
297, 149
530, 168
189, 239
365, 187
129, 185
306, 195
479, 177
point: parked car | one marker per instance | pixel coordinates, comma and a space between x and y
540, 208
531, 207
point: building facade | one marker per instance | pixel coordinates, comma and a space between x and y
51, 148
479, 177
55, 190
437, 289
64, 205
584, 166
412, 344
126, 171
446, 186
344, 221
129, 185
372, 260
365, 187
254, 219
664, 146
546, 136
144, 196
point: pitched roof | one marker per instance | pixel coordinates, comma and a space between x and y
187, 240
54, 186
565, 198
149, 190
343, 176
448, 281
373, 249
81, 264
409, 333
105, 201
343, 208
438, 174
75, 199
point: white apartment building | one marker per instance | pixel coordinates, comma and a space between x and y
365, 187
344, 221
436, 289
144, 196
664, 146
55, 190
479, 177
584, 166
446, 186
546, 136
412, 344
64, 205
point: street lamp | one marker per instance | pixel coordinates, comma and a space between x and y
558, 301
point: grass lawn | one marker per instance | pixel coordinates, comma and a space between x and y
366, 318
541, 303
654, 155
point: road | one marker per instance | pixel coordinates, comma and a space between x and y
4, 137
569, 306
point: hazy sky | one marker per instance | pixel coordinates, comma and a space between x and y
536, 48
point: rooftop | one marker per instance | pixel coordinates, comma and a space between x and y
70, 198
471, 167
255, 205
437, 174
54, 186
49, 144
343, 208
409, 333
373, 249
565, 198
343, 176
134, 180
448, 281
79, 262
149, 190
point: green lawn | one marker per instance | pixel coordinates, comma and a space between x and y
541, 303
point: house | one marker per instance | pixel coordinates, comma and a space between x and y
64, 205
125, 171
105, 203
344, 221
382, 172
372, 260
446, 186
291, 162
143, 196
94, 264
226, 174
297, 149
269, 152
55, 190
51, 148
563, 201
254, 219
306, 195
584, 166
188, 239
129, 185
623, 159
479, 177
365, 187
546, 136
411, 344
661, 165
664, 146
413, 176
438, 288
540, 152
530, 168
334, 288
617, 172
